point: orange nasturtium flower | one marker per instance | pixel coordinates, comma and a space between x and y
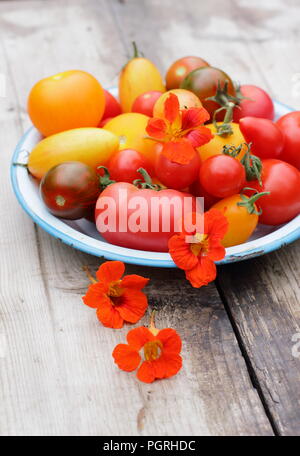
161, 353
116, 299
195, 252
180, 131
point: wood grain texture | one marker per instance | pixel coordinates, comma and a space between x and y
263, 298
57, 377
204, 399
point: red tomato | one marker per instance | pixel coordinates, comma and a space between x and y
181, 68
112, 106
145, 102
222, 176
290, 127
146, 222
260, 104
70, 190
175, 175
196, 190
266, 138
282, 180
124, 164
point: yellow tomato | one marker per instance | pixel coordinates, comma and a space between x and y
138, 76
186, 100
65, 101
241, 223
131, 130
215, 146
92, 146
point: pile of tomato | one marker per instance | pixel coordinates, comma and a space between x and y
94, 145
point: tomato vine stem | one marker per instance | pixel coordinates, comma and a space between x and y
249, 201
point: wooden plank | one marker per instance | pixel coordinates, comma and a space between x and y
58, 376
28, 350
263, 299
206, 398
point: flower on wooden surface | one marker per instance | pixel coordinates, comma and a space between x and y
116, 299
181, 131
155, 353
195, 251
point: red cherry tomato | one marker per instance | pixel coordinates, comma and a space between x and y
174, 175
222, 176
260, 104
266, 138
282, 180
70, 190
145, 102
124, 164
290, 127
112, 106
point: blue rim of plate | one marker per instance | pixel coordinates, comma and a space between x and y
268, 246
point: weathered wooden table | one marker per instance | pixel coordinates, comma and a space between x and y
241, 374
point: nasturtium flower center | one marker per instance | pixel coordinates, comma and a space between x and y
200, 244
152, 350
115, 290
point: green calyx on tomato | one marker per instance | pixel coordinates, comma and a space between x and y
239, 96
223, 97
146, 182
105, 180
249, 202
227, 103
224, 129
251, 163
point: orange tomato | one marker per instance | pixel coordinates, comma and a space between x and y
181, 68
68, 100
241, 223
131, 130
186, 100
215, 145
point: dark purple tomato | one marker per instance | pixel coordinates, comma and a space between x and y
70, 190
203, 82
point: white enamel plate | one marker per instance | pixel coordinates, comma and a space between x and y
82, 234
